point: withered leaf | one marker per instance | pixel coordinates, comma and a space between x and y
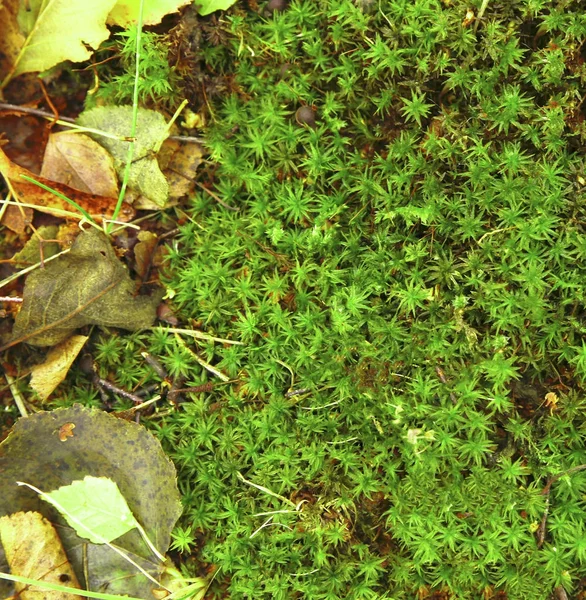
99, 207
33, 550
145, 176
81, 163
46, 376
88, 285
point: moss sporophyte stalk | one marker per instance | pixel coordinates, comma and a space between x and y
405, 272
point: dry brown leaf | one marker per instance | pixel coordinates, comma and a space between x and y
33, 549
16, 218
143, 252
81, 163
179, 163
49, 374
99, 207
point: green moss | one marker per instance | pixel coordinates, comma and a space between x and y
407, 277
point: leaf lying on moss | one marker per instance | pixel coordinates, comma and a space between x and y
88, 285
49, 374
146, 177
33, 549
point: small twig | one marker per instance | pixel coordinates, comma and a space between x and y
215, 197
116, 390
546, 492
10, 299
47, 115
201, 361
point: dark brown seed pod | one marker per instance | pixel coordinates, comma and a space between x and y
305, 115
275, 6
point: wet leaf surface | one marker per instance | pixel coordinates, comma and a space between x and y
101, 446
88, 285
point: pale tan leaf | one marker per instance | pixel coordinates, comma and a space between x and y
33, 549
49, 374
81, 163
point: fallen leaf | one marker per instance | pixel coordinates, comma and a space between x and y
31, 252
125, 13
49, 374
99, 207
205, 7
88, 285
56, 31
103, 446
96, 503
11, 40
143, 252
146, 177
81, 163
17, 218
33, 549
179, 162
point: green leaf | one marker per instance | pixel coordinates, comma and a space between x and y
205, 7
125, 12
60, 30
96, 503
88, 285
146, 177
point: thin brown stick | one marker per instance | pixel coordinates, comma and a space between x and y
215, 197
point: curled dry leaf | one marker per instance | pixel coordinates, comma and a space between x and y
99, 207
49, 374
88, 285
179, 163
81, 163
33, 549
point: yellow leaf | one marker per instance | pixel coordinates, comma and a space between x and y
61, 31
48, 375
33, 549
125, 12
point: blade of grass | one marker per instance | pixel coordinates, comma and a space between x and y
134, 122
75, 205
62, 588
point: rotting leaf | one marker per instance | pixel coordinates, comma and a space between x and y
146, 177
56, 32
86, 286
180, 163
31, 252
125, 12
33, 549
81, 163
49, 374
102, 446
143, 252
99, 207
